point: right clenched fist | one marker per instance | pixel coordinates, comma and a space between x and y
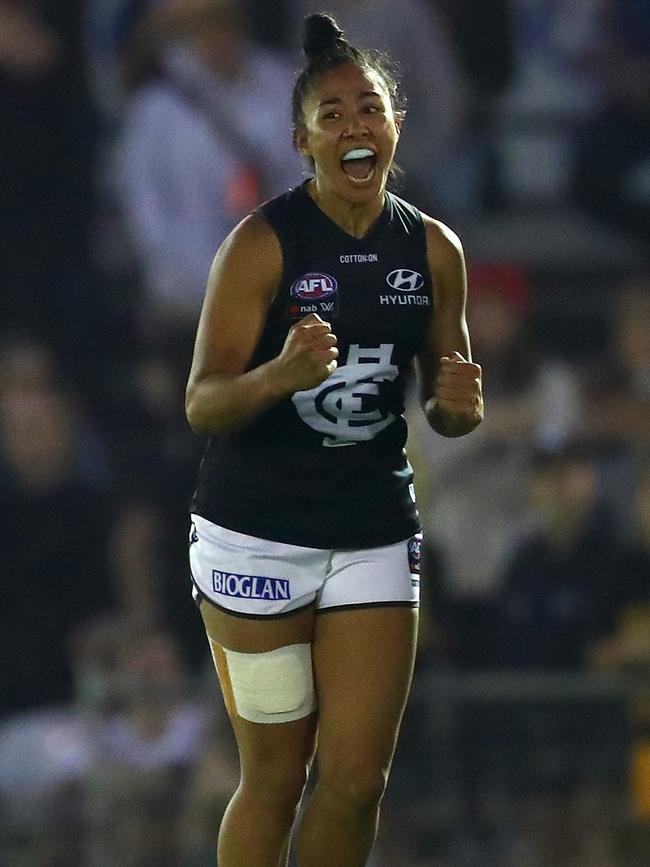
309, 354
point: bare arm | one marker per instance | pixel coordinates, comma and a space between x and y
221, 393
449, 382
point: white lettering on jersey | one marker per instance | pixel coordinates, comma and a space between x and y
346, 407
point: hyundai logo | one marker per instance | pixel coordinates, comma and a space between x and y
405, 280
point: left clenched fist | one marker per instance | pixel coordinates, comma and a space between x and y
458, 389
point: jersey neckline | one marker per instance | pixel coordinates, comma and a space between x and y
325, 219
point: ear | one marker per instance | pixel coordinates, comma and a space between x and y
300, 142
399, 120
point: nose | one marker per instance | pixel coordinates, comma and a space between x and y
356, 127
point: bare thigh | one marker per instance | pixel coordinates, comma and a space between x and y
363, 662
262, 748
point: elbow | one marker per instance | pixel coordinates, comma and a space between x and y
204, 416
196, 415
193, 418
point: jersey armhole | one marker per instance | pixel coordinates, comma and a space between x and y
283, 252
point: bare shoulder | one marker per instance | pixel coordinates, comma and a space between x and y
251, 251
248, 264
446, 260
243, 280
443, 244
254, 228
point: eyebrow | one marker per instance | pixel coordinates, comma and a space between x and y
333, 100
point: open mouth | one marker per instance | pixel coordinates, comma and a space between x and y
359, 165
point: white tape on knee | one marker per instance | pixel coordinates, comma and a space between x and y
272, 687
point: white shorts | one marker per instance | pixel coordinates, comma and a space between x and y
253, 577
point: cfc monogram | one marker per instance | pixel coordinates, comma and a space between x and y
347, 407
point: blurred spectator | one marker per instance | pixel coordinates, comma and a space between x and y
553, 603
213, 779
53, 534
108, 24
139, 403
45, 758
533, 400
612, 170
617, 384
158, 746
155, 454
615, 416
269, 23
205, 140
419, 811
136, 561
47, 144
147, 749
552, 91
628, 646
552, 608
432, 149
149, 571
626, 649
534, 396
484, 37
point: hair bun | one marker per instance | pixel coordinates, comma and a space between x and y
322, 33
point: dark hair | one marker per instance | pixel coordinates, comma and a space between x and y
326, 48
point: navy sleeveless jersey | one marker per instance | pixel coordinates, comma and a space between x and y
326, 468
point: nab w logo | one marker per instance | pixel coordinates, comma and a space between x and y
405, 280
348, 406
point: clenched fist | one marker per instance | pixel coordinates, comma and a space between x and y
309, 354
458, 393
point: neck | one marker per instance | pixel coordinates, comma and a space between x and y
355, 219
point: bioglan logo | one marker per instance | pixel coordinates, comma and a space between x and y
250, 586
314, 293
406, 281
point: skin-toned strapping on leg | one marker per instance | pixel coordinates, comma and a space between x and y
274, 758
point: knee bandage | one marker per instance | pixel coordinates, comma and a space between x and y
272, 687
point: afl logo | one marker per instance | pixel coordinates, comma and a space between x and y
312, 287
405, 280
414, 548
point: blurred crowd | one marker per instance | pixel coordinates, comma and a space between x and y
134, 134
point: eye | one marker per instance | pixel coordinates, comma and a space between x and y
372, 109
330, 115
